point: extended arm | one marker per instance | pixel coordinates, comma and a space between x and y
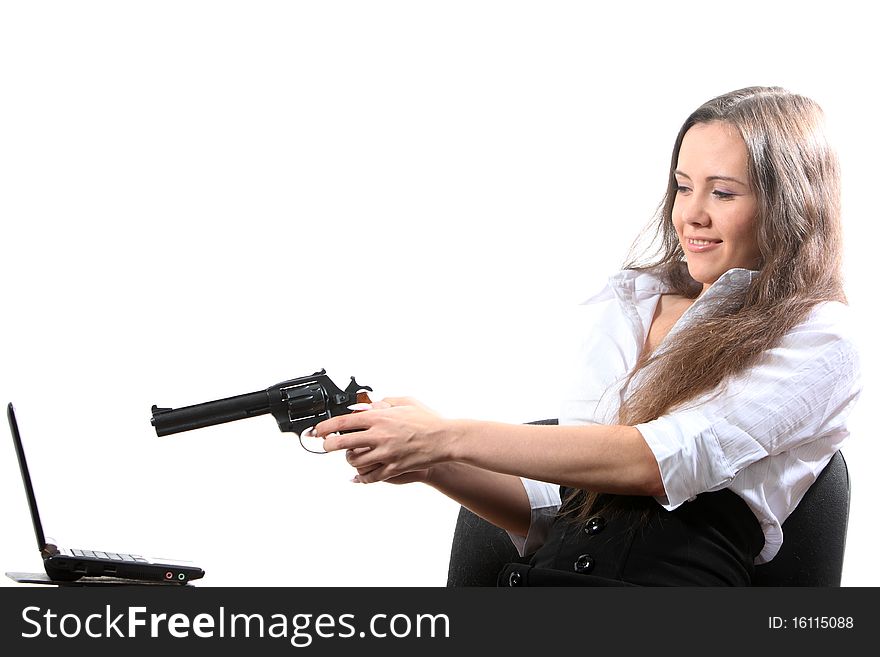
498, 498
605, 458
478, 463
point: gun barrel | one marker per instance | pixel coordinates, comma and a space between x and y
174, 420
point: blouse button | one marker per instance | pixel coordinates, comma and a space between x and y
584, 563
595, 525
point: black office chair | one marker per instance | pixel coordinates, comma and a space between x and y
811, 554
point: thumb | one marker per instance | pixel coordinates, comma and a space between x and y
369, 407
399, 401
407, 401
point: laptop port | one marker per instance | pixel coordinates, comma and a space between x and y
109, 570
79, 568
181, 576
169, 575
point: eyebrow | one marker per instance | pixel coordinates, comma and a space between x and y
729, 178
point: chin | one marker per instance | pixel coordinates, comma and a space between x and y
703, 277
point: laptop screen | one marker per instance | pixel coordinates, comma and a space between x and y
26, 477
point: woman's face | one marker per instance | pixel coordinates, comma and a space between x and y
715, 209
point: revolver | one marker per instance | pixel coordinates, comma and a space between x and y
296, 405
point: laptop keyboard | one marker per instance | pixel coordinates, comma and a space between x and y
110, 556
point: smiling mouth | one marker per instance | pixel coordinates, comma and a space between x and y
697, 246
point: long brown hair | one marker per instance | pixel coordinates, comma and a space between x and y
795, 176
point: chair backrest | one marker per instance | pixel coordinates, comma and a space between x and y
811, 554
479, 551
814, 535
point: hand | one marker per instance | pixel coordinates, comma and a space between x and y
405, 478
397, 440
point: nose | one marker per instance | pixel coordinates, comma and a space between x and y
693, 211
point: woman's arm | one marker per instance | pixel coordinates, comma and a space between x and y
498, 498
406, 436
604, 458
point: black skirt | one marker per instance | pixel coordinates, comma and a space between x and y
710, 541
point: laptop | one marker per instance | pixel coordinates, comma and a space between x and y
66, 565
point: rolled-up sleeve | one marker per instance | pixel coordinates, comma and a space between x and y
798, 392
545, 502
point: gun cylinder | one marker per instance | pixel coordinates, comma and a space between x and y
174, 420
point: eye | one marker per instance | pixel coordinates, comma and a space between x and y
724, 196
681, 189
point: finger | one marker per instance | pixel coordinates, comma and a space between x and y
369, 469
349, 422
335, 441
364, 459
363, 472
406, 401
399, 401
374, 406
351, 454
380, 473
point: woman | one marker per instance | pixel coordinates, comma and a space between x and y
712, 390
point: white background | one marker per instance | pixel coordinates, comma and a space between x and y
201, 199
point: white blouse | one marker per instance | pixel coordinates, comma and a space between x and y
766, 433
